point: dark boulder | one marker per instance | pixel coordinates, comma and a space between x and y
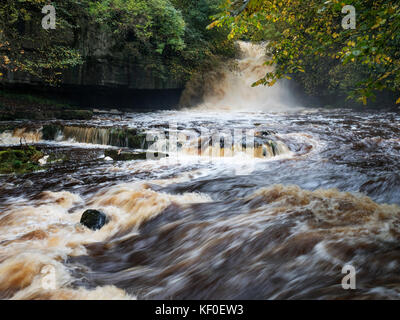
93, 219
119, 155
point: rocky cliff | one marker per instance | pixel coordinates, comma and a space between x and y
103, 66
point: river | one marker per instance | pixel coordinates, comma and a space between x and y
319, 190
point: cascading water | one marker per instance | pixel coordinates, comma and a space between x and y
231, 88
322, 193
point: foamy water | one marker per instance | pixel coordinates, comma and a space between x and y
232, 90
319, 191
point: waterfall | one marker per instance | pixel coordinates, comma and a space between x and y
231, 88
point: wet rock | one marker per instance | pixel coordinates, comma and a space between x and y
7, 186
274, 147
112, 111
74, 115
93, 219
108, 159
255, 142
43, 161
72, 180
27, 184
21, 159
264, 133
119, 155
49, 132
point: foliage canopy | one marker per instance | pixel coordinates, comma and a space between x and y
168, 36
306, 36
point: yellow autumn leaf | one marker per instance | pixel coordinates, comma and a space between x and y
212, 25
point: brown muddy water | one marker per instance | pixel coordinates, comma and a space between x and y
319, 191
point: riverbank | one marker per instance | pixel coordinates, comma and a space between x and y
58, 102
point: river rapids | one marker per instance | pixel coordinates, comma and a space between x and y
319, 190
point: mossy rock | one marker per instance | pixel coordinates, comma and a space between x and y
49, 132
7, 128
22, 160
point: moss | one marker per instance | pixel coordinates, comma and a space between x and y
21, 160
137, 141
17, 164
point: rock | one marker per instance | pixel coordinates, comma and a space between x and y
7, 186
93, 219
115, 111
49, 132
112, 111
72, 180
27, 184
119, 155
74, 115
264, 133
274, 147
43, 161
108, 159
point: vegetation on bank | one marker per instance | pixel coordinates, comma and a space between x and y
306, 41
166, 36
19, 160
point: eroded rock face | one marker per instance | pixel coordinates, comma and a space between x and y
93, 219
104, 66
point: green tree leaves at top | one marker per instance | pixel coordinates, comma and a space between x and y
25, 46
166, 36
306, 36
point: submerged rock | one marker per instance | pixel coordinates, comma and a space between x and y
27, 184
72, 180
93, 219
119, 155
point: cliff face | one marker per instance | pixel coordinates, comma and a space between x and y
103, 66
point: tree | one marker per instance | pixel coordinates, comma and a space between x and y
300, 32
25, 46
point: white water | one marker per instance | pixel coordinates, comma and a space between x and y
232, 89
